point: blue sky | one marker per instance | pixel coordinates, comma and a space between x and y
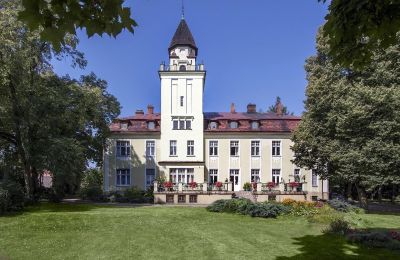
253, 51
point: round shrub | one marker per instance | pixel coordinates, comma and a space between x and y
344, 206
338, 226
267, 210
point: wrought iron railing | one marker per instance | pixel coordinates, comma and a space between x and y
199, 67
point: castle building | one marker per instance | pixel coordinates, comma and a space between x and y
199, 157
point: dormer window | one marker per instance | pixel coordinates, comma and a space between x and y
213, 125
233, 124
255, 125
124, 126
151, 125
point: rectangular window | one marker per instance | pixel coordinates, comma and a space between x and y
182, 175
169, 198
175, 124
297, 175
314, 179
276, 148
276, 176
255, 175
190, 148
188, 124
234, 148
181, 101
172, 148
123, 149
213, 148
212, 175
150, 177
181, 124
123, 177
150, 148
181, 198
255, 148
192, 198
234, 176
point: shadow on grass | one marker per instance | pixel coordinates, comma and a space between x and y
328, 246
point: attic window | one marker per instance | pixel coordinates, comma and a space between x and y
213, 125
254, 125
151, 125
182, 68
124, 126
233, 125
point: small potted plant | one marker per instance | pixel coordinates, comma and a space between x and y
218, 184
168, 185
247, 186
254, 184
270, 185
193, 185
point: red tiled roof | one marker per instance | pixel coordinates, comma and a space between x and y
268, 122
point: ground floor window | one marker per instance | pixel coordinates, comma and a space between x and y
181, 198
192, 198
150, 177
183, 175
169, 198
234, 176
271, 197
276, 176
123, 177
255, 175
314, 198
212, 175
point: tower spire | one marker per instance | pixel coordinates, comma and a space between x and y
183, 11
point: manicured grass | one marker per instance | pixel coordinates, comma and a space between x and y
52, 231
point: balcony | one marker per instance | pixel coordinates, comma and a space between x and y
208, 188
182, 68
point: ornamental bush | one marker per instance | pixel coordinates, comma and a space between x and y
267, 210
134, 195
247, 186
338, 226
12, 197
344, 206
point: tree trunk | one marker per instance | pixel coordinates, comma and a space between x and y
380, 194
362, 196
18, 139
348, 192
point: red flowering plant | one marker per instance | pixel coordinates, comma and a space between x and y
271, 184
168, 184
193, 185
293, 184
254, 184
218, 184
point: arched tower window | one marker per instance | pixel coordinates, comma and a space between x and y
182, 68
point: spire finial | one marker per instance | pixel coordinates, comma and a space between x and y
183, 11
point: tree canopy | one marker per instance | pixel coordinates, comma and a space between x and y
55, 19
351, 127
279, 108
357, 28
47, 122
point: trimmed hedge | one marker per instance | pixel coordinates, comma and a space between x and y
246, 207
344, 206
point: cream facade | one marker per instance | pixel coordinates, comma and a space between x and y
204, 156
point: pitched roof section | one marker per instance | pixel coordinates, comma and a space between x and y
183, 37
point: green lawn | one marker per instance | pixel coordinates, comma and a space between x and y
53, 231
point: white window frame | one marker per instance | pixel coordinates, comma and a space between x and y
126, 173
255, 148
233, 122
297, 173
276, 176
255, 172
237, 150
151, 125
213, 149
181, 101
314, 179
146, 174
152, 152
276, 149
127, 148
212, 176
181, 175
173, 149
190, 148
255, 125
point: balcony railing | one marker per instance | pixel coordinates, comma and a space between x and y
188, 187
164, 67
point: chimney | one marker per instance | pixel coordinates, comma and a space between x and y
233, 108
139, 112
279, 108
251, 108
150, 109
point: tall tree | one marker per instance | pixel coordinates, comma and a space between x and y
50, 123
350, 130
357, 29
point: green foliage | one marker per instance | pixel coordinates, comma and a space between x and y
11, 197
48, 123
338, 226
55, 19
344, 206
134, 195
247, 186
357, 29
246, 207
375, 239
273, 108
349, 132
